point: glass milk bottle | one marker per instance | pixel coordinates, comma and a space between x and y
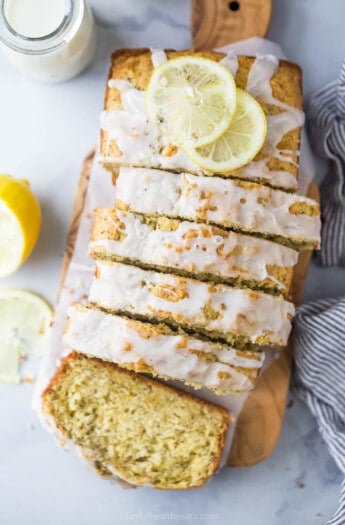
47, 40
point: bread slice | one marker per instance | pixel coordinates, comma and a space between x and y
234, 315
248, 207
192, 249
129, 138
160, 351
243, 206
134, 427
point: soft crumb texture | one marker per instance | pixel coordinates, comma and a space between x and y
124, 110
192, 249
134, 427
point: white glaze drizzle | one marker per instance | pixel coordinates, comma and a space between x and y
259, 86
193, 247
216, 200
138, 139
167, 297
122, 341
141, 143
231, 62
158, 56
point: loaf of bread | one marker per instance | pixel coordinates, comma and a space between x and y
129, 138
160, 351
192, 249
193, 272
134, 427
233, 315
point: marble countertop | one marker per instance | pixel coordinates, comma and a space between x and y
45, 131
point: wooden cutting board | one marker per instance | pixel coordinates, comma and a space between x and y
216, 23
259, 424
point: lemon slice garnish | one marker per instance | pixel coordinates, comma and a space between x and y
24, 321
192, 98
20, 222
239, 144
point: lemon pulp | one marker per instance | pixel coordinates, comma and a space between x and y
20, 222
192, 98
241, 141
24, 321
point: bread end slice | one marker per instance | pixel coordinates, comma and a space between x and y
134, 427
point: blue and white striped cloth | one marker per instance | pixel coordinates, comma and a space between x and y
319, 334
326, 119
319, 378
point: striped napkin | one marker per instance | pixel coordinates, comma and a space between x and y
327, 133
319, 333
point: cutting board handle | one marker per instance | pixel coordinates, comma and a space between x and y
216, 23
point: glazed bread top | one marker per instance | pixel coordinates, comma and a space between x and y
234, 315
244, 206
129, 138
192, 249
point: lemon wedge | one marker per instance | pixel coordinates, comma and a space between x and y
20, 223
239, 144
192, 98
24, 321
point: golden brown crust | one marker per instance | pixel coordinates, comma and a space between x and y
136, 66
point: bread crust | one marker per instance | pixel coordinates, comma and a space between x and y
135, 65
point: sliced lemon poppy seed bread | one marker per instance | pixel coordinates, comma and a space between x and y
244, 206
234, 315
133, 427
161, 351
128, 137
193, 264
192, 249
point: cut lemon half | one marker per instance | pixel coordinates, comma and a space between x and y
192, 98
24, 321
239, 144
20, 223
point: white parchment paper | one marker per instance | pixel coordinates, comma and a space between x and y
101, 194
